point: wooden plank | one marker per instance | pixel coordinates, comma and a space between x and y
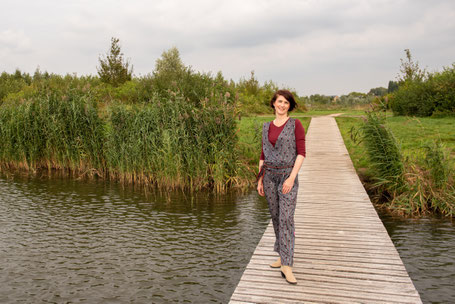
318, 278
343, 274
315, 295
328, 289
346, 268
343, 253
327, 263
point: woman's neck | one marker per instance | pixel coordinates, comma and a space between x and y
280, 119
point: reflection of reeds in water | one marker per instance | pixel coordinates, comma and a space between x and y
414, 186
167, 142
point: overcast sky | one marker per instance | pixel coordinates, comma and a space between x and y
327, 47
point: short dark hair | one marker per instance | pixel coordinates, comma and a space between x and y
286, 94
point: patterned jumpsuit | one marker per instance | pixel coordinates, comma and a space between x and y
278, 164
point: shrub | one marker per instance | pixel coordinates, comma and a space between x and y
444, 91
413, 98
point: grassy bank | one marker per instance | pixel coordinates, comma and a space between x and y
427, 149
413, 134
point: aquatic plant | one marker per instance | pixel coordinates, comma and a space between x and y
384, 153
173, 144
54, 131
170, 143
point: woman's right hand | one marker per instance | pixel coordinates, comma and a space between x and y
261, 188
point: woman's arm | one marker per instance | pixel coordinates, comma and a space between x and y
261, 162
289, 182
260, 184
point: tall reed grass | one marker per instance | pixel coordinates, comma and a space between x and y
170, 143
384, 152
412, 185
174, 144
430, 183
54, 131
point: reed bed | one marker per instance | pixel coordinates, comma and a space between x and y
166, 142
173, 144
53, 132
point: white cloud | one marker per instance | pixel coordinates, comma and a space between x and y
14, 41
330, 47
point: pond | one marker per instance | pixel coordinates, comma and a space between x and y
427, 249
69, 241
66, 241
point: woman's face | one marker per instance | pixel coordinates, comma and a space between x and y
281, 105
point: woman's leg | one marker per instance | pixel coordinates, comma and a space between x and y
271, 193
287, 204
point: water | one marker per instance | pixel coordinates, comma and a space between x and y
427, 249
66, 241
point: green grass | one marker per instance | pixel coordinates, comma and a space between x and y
412, 134
350, 128
428, 172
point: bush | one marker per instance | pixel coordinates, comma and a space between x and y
14, 83
424, 94
413, 98
443, 84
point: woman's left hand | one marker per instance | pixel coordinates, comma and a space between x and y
287, 185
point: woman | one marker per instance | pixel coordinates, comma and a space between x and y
283, 152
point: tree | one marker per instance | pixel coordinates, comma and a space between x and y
113, 69
170, 73
379, 91
392, 87
410, 70
169, 64
249, 86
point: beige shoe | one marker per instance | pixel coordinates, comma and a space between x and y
276, 264
286, 272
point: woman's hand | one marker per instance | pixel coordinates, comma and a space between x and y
287, 185
261, 188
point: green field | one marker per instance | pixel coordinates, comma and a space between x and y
412, 133
428, 167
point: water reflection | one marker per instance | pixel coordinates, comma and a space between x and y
427, 248
72, 241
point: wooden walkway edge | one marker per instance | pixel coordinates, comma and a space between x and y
343, 253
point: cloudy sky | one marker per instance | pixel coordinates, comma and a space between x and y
327, 47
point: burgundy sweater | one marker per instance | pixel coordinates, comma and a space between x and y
275, 131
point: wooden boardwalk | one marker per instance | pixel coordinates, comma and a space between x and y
343, 253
